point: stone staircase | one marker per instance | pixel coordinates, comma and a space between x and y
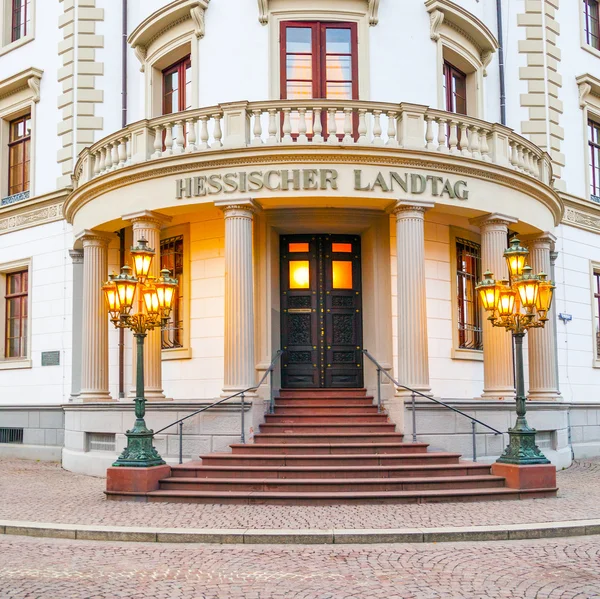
331, 446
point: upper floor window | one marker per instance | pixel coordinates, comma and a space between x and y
594, 143
19, 154
455, 89
468, 273
20, 19
597, 310
15, 325
177, 86
592, 23
172, 258
319, 60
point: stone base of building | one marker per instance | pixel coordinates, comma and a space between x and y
135, 480
535, 476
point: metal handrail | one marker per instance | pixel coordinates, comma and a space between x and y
474, 421
241, 394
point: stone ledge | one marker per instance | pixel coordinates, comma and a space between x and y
508, 532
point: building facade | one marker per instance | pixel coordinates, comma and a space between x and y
322, 177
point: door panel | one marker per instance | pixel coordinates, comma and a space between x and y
321, 311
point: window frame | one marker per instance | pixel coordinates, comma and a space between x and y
26, 142
461, 300
593, 156
5, 270
180, 67
459, 353
27, 12
587, 17
595, 305
22, 298
184, 352
449, 71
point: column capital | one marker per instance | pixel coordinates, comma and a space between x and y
408, 208
553, 257
89, 237
493, 219
76, 256
148, 218
544, 240
241, 207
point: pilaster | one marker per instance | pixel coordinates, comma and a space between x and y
76, 347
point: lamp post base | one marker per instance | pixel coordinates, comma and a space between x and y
521, 449
139, 453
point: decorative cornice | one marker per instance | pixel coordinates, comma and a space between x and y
31, 218
214, 159
165, 18
466, 23
581, 213
588, 85
27, 79
372, 11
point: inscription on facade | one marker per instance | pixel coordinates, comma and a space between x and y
319, 179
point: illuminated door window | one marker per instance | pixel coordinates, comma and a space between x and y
341, 248
342, 274
299, 274
295, 248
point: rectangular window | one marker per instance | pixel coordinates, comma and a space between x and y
468, 273
594, 144
319, 60
171, 258
16, 316
177, 87
19, 154
455, 89
592, 23
20, 19
597, 311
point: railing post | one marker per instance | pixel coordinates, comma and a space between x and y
272, 398
379, 389
181, 442
243, 424
414, 419
473, 434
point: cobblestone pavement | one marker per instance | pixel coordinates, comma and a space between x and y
43, 492
61, 569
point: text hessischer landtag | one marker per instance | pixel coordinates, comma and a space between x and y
317, 179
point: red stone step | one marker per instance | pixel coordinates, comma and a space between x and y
327, 448
327, 428
320, 485
326, 418
338, 472
329, 460
347, 498
341, 402
306, 393
301, 409
331, 437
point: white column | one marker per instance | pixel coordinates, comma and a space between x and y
240, 369
498, 373
543, 379
147, 224
94, 338
413, 360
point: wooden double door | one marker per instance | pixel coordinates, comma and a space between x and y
321, 311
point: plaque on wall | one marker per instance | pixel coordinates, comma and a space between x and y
50, 358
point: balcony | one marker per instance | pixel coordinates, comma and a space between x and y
290, 132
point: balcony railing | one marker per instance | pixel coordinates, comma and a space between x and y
314, 123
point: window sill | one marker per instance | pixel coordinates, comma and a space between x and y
9, 364
184, 353
475, 355
596, 363
591, 50
16, 44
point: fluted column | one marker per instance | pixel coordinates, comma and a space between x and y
498, 372
94, 330
543, 379
413, 355
240, 369
147, 224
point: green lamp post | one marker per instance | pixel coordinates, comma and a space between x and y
155, 301
518, 304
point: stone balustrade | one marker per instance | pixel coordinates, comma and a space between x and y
313, 122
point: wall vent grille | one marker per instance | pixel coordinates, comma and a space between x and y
101, 442
11, 435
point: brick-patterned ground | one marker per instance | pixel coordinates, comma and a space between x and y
43, 492
60, 569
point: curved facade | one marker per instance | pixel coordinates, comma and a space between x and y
322, 179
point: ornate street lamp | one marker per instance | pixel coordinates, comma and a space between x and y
518, 304
155, 302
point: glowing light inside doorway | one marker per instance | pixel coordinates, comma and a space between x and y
342, 274
299, 274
